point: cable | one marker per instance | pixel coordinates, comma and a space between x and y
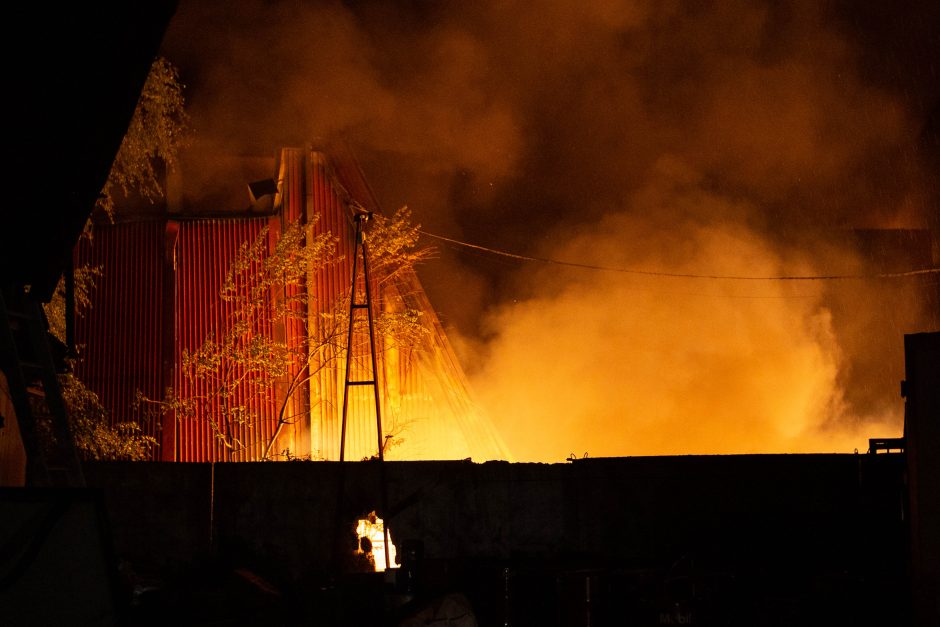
824, 277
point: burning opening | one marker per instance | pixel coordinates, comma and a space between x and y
371, 533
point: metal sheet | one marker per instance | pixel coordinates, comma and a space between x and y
427, 404
160, 297
206, 249
119, 339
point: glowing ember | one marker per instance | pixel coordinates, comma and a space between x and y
372, 529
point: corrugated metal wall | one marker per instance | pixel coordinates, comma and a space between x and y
159, 296
119, 339
327, 214
295, 436
437, 411
205, 251
427, 406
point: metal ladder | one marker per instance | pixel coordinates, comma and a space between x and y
27, 361
360, 217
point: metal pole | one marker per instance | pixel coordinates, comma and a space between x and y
375, 369
378, 410
367, 305
349, 337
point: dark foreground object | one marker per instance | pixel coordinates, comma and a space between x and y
722, 540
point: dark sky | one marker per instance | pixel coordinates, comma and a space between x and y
712, 138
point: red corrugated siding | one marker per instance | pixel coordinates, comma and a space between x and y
295, 437
149, 311
408, 411
205, 250
331, 288
425, 395
120, 338
123, 341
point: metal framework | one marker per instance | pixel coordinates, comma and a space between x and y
361, 248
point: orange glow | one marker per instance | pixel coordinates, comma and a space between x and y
373, 528
608, 364
697, 141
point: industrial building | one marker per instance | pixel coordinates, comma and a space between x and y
169, 268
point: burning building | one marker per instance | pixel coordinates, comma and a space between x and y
158, 300
765, 539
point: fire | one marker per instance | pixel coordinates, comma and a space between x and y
372, 529
613, 364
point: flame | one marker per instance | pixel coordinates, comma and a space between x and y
373, 528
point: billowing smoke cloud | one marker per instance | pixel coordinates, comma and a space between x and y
619, 363
264, 75
741, 138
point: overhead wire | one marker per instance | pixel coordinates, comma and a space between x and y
682, 275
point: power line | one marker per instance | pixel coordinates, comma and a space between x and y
730, 277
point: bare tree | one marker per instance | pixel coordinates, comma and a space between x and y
157, 131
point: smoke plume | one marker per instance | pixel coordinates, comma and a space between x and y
723, 139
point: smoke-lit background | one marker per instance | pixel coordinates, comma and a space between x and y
725, 138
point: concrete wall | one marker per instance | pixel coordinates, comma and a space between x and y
780, 538
159, 514
828, 511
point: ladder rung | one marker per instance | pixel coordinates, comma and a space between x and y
359, 306
360, 383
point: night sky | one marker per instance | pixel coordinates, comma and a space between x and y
725, 138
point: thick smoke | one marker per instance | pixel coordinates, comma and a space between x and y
620, 363
731, 138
